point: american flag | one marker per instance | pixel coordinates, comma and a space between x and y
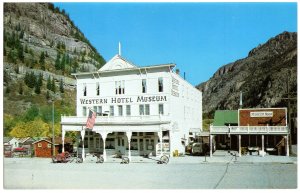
91, 119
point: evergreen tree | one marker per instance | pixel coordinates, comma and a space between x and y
21, 89
32, 80
37, 89
40, 80
49, 83
7, 90
42, 61
21, 34
47, 95
63, 63
53, 88
26, 48
61, 86
21, 53
57, 61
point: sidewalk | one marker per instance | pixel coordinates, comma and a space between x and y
218, 157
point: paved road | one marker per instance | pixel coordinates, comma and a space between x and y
26, 173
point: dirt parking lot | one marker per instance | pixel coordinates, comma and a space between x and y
38, 173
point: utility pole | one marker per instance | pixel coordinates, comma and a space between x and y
53, 141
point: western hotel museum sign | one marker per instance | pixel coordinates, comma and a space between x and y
122, 100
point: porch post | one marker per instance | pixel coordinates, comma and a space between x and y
129, 134
103, 135
263, 145
210, 145
240, 152
160, 141
63, 140
287, 145
82, 137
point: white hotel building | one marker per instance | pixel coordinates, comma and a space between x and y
139, 110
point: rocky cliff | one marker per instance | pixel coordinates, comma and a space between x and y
264, 77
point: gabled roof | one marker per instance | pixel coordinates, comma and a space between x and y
42, 140
23, 140
225, 118
117, 63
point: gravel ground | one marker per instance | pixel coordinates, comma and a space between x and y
39, 173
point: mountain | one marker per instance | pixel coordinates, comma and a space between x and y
41, 48
262, 77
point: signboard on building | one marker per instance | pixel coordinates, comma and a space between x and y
263, 117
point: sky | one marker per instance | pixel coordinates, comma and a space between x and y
198, 37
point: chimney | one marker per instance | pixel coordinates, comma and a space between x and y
177, 71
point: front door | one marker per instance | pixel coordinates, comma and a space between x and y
121, 145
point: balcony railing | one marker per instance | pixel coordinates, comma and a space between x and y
145, 119
249, 129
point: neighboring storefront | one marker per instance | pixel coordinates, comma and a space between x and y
252, 131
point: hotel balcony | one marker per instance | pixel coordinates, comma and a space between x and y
118, 120
272, 130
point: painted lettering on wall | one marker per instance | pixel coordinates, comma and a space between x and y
261, 114
122, 100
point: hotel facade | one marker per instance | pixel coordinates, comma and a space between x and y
147, 110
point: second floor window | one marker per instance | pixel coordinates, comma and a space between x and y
128, 110
111, 111
98, 88
84, 111
120, 109
161, 109
120, 87
160, 84
144, 86
144, 109
99, 110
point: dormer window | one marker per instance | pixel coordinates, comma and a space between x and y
120, 87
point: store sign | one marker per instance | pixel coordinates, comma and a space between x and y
261, 114
124, 100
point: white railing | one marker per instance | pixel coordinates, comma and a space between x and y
117, 119
249, 129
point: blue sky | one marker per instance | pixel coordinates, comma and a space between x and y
198, 37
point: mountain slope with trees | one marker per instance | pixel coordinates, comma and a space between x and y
42, 47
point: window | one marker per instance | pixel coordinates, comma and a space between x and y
123, 87
111, 110
120, 87
84, 111
161, 109
160, 85
142, 110
39, 145
120, 109
84, 89
49, 145
147, 109
144, 86
98, 88
99, 110
128, 110
95, 109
